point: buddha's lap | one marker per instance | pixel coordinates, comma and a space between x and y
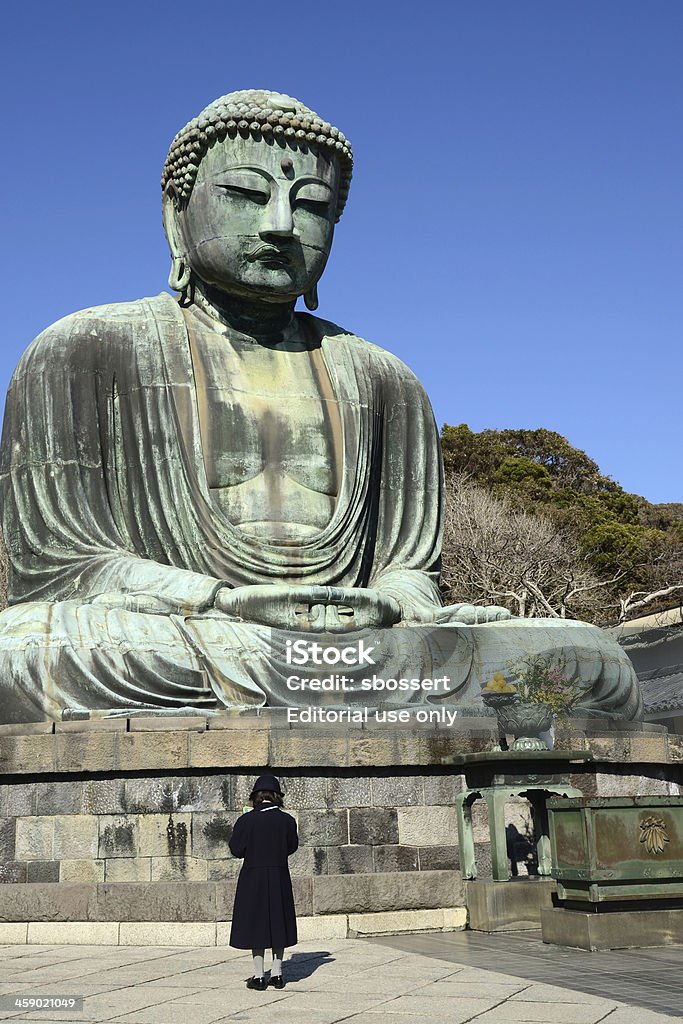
82, 621
584, 650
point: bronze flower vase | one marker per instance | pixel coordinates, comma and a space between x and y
523, 721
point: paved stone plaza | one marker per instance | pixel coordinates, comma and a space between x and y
328, 981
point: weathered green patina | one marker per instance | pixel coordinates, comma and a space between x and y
188, 486
617, 848
497, 778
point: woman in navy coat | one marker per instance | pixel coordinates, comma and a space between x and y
263, 916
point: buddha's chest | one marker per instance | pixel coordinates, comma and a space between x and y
270, 427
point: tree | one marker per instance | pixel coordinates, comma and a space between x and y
566, 465
478, 455
633, 549
496, 553
483, 454
656, 600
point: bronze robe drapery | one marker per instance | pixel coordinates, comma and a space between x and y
103, 481
117, 550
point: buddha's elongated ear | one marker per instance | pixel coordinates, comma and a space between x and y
181, 273
311, 297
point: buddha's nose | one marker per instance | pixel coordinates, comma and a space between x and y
278, 218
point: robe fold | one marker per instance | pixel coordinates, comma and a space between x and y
117, 550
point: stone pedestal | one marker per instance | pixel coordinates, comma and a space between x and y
128, 820
507, 906
612, 930
124, 822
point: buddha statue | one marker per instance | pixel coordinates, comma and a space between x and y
191, 484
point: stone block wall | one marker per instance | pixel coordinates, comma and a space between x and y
130, 819
176, 828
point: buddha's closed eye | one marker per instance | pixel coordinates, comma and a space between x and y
253, 194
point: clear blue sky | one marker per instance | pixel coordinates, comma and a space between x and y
515, 225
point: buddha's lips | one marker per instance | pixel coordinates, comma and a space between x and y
268, 254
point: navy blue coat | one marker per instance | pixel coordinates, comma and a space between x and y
263, 916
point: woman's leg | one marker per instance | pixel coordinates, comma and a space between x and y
258, 955
276, 969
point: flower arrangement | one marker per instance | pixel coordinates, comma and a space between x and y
544, 679
539, 680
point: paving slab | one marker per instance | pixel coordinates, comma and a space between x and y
634, 1015
176, 1013
543, 1013
454, 989
282, 1015
356, 981
542, 993
648, 979
459, 1010
385, 1017
386, 986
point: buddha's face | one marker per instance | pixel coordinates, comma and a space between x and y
260, 219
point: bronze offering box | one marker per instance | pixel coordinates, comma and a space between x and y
617, 848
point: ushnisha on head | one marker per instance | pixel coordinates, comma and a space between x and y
257, 114
252, 190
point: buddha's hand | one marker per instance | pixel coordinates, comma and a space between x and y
310, 609
417, 613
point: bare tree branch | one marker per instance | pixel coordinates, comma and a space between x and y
495, 553
629, 603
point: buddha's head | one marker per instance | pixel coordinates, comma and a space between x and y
252, 189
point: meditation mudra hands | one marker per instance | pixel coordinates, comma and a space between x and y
322, 609
310, 609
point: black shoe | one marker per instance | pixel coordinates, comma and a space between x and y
260, 984
277, 981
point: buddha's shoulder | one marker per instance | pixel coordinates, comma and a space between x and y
106, 326
375, 356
